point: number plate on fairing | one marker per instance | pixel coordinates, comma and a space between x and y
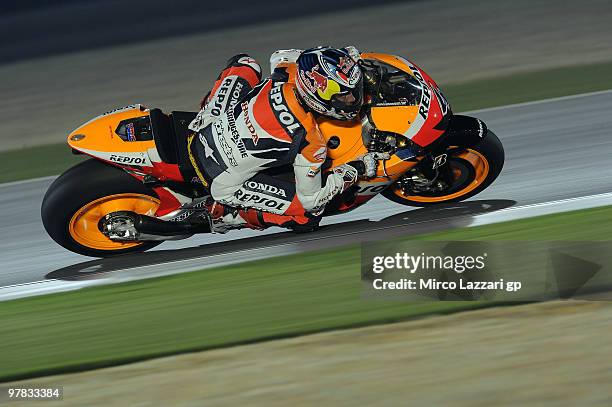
372, 188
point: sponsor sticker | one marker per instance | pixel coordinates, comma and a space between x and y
120, 109
313, 171
372, 189
282, 112
480, 128
439, 161
131, 133
345, 65
219, 99
265, 188
319, 81
444, 105
265, 202
247, 122
208, 150
225, 147
235, 134
123, 159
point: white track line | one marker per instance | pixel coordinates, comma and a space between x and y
519, 212
540, 101
28, 181
543, 208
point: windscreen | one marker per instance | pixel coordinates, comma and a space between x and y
398, 87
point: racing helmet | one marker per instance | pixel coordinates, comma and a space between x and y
329, 81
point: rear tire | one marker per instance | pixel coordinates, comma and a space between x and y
69, 208
488, 154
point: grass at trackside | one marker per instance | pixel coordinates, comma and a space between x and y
36, 162
273, 298
529, 86
54, 159
586, 225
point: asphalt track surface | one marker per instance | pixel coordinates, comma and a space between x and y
555, 149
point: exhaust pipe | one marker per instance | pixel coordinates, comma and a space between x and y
128, 226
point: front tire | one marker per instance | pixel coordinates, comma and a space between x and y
475, 169
77, 200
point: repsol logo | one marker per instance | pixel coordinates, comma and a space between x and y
282, 111
222, 96
122, 159
426, 98
425, 101
269, 189
259, 200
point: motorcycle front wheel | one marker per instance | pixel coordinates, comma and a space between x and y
473, 169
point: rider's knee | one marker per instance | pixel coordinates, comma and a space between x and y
309, 202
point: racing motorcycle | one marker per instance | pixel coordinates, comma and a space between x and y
139, 187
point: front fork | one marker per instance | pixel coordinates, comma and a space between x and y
433, 172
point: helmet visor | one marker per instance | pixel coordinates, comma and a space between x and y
349, 101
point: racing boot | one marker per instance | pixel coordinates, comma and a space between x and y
299, 224
223, 218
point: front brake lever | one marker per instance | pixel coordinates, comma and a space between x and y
383, 157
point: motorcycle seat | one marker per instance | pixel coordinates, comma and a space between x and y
180, 121
170, 134
164, 136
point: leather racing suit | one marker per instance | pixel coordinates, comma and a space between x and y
247, 130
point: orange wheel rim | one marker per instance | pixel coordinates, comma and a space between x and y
479, 163
83, 226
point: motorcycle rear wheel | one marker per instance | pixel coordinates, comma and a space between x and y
79, 198
474, 169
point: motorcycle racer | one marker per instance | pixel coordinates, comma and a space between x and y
248, 129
